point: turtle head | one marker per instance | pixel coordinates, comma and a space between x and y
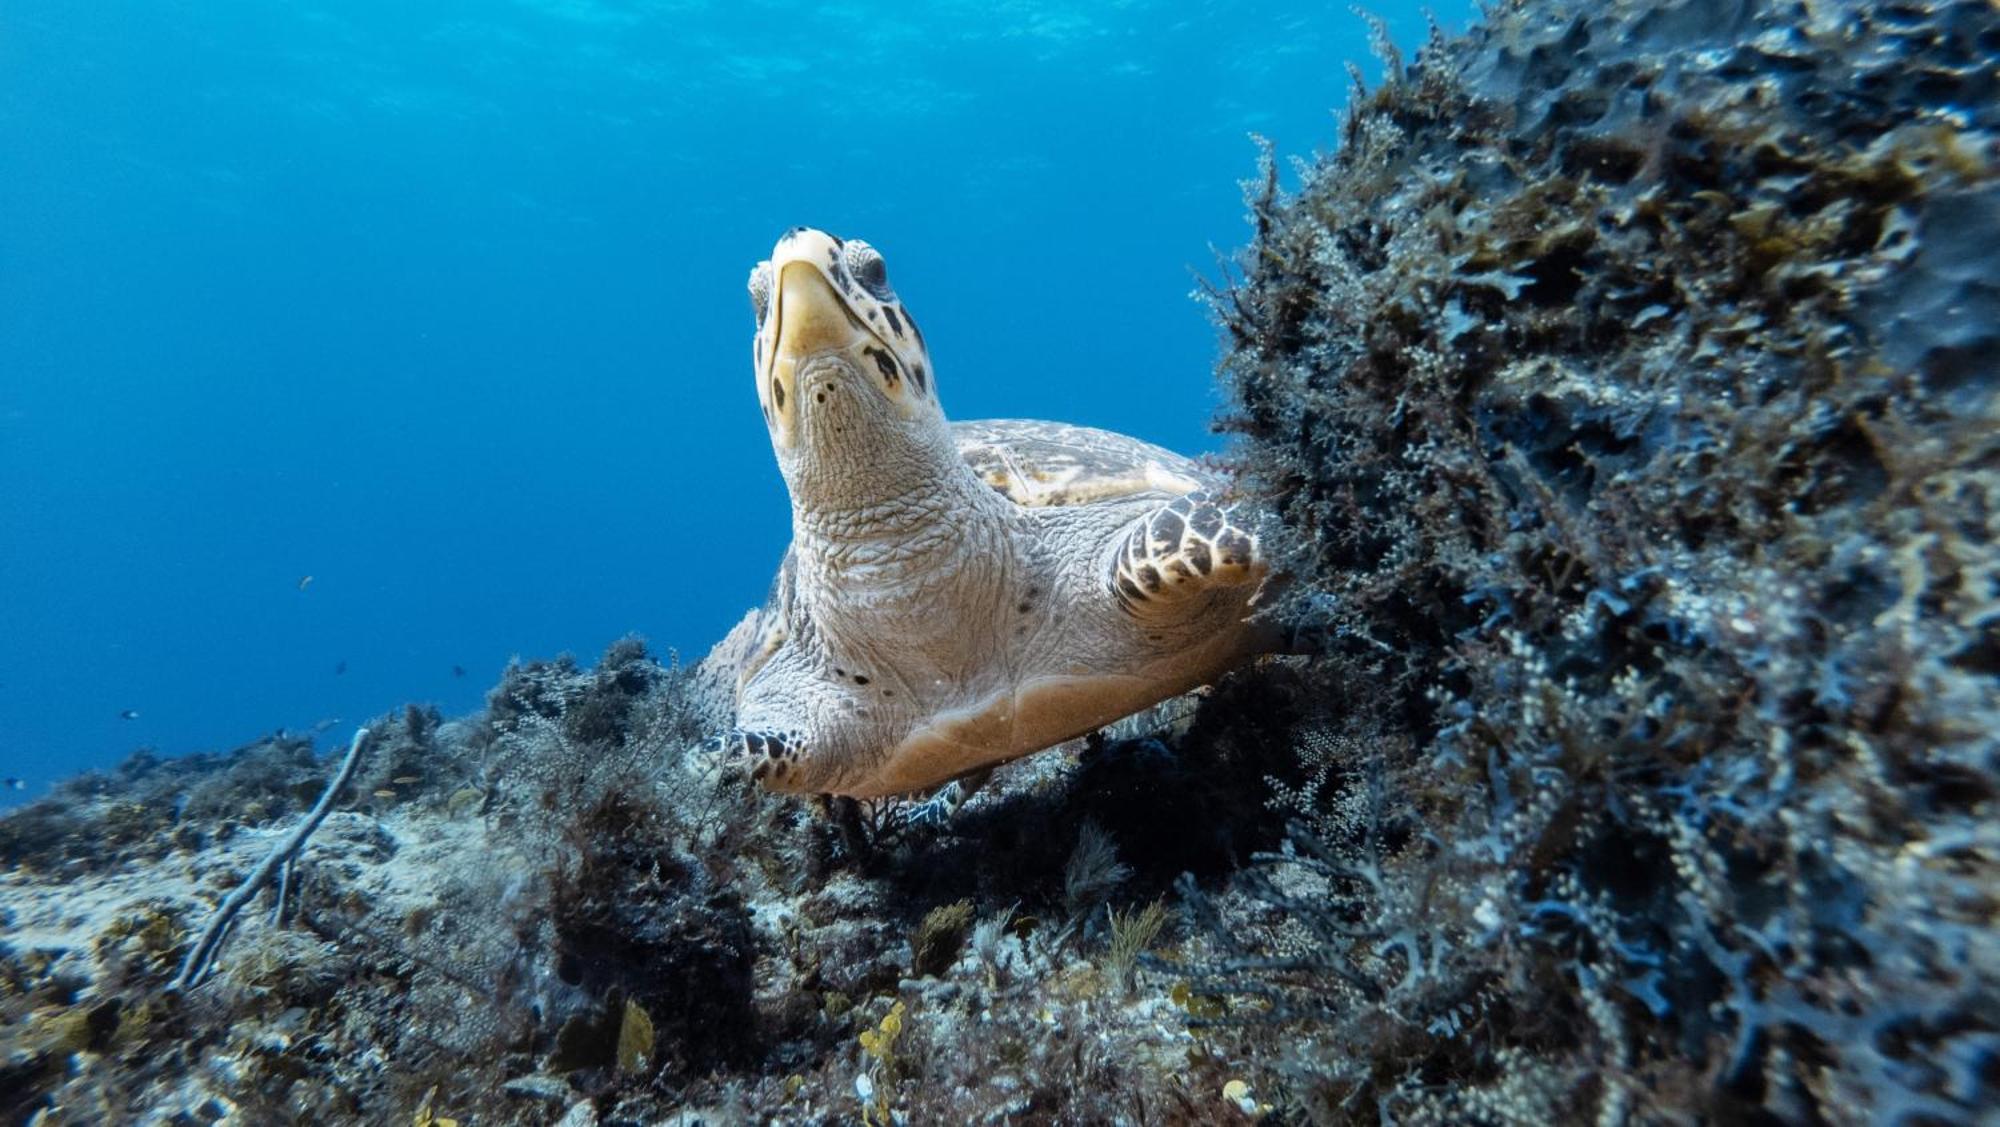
840, 365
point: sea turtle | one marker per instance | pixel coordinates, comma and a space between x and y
956, 595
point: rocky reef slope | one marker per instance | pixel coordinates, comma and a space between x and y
1625, 385
1622, 390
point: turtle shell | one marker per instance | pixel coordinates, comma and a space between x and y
1042, 464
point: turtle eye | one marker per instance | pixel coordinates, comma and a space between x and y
760, 290
869, 269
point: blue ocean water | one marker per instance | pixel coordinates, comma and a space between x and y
346, 351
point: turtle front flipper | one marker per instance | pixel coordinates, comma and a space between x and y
797, 729
1186, 548
772, 758
939, 808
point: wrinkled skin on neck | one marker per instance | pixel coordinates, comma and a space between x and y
859, 467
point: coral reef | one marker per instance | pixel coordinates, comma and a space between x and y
551, 906
1622, 393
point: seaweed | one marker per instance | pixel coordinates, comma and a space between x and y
1646, 534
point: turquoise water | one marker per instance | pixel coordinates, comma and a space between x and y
441, 305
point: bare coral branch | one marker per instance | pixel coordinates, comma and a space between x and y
201, 958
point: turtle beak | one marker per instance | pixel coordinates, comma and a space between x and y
811, 317
807, 319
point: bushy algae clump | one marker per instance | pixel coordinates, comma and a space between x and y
1624, 387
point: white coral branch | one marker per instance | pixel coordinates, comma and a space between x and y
202, 957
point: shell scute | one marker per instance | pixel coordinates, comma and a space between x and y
1039, 464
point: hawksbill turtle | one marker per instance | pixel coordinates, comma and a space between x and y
956, 595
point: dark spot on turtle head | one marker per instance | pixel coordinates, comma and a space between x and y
884, 363
839, 672
917, 374
1179, 569
778, 393
1024, 606
841, 279
1130, 589
820, 397
913, 328
895, 323
767, 413
860, 680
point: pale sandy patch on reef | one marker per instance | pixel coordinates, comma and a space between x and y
45, 915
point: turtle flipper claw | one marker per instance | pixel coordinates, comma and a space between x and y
939, 808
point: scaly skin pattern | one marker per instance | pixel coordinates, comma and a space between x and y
957, 597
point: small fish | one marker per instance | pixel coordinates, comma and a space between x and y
129, 714
385, 792
325, 724
458, 671
305, 581
340, 667
405, 780
16, 784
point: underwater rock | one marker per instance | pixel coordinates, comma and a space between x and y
1624, 388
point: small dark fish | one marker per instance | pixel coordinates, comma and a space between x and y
129, 714
339, 668
16, 784
458, 671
